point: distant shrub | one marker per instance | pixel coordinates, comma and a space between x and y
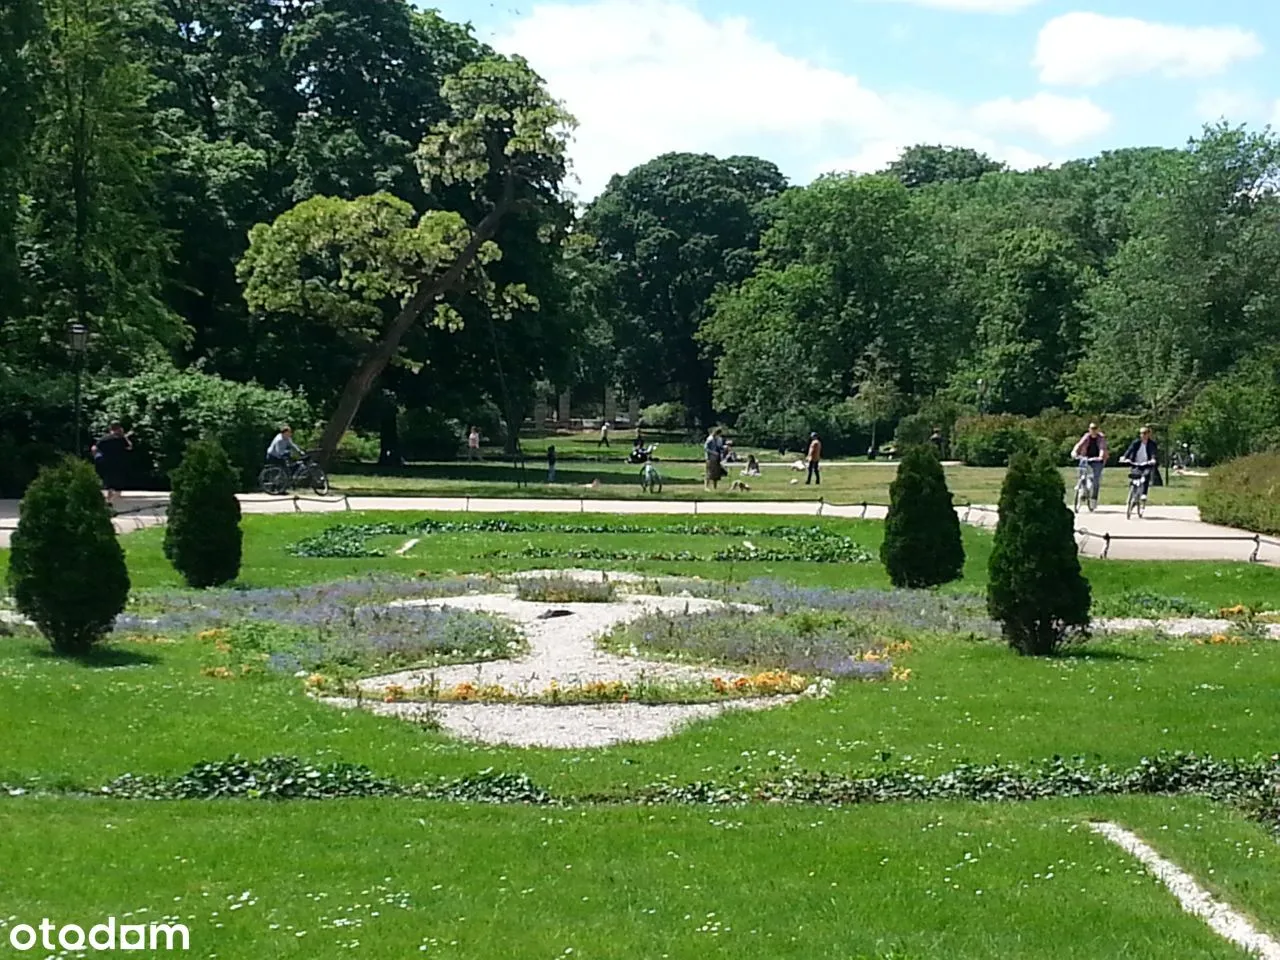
913, 430
922, 545
167, 408
66, 568
1035, 587
990, 441
427, 434
202, 537
672, 415
1244, 493
354, 447
565, 589
35, 417
1236, 416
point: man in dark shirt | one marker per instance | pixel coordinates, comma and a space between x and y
111, 457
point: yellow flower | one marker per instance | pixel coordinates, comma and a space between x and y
393, 694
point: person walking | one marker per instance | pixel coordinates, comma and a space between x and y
473, 444
714, 450
551, 464
111, 460
604, 435
815, 460
938, 442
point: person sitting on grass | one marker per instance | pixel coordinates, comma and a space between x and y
752, 469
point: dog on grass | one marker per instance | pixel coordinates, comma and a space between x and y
739, 487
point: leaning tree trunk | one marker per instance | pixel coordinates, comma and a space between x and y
376, 361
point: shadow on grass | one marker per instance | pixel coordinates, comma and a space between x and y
1103, 655
99, 657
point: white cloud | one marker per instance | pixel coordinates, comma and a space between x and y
1059, 121
972, 6
645, 77
1236, 106
1088, 49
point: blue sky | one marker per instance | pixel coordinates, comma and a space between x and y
819, 85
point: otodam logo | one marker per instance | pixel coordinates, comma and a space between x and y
108, 935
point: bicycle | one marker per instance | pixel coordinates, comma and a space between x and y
1137, 484
278, 480
1085, 490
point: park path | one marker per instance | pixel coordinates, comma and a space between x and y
1166, 533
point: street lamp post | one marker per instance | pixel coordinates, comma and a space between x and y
982, 396
78, 339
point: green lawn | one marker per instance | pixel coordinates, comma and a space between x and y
851, 482
398, 879
267, 561
621, 879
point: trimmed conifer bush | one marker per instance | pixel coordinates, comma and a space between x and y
1035, 587
203, 539
66, 568
922, 545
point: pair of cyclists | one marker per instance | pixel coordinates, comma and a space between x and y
1142, 455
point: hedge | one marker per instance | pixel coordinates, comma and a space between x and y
166, 409
1244, 493
989, 441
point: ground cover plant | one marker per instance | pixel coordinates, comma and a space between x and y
829, 644
565, 590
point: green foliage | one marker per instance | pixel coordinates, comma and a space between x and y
990, 441
1238, 414
66, 568
427, 434
922, 165
670, 232
202, 537
167, 409
1035, 588
672, 415
1244, 493
922, 545
566, 589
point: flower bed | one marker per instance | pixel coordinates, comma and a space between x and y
564, 589
829, 644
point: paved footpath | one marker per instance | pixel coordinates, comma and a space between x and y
1166, 533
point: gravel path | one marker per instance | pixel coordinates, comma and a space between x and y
561, 649
567, 727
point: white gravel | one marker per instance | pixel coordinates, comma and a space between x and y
561, 649
1193, 898
568, 727
1191, 627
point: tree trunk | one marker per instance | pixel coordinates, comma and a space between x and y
376, 361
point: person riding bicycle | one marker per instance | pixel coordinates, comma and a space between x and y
281, 449
1143, 455
1091, 449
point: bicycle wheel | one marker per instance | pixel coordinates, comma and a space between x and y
1132, 502
1142, 505
319, 482
274, 480
1082, 495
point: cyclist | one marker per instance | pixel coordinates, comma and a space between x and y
1092, 449
1142, 455
282, 448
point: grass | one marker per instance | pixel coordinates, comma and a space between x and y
268, 562
152, 711
891, 882
396, 878
842, 482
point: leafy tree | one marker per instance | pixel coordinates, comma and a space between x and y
877, 398
671, 231
921, 165
66, 568
1035, 587
922, 545
202, 538
505, 140
21, 23
91, 241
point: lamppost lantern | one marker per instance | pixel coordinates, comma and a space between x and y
78, 338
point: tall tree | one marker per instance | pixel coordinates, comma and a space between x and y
20, 25
504, 143
671, 231
921, 165
92, 241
